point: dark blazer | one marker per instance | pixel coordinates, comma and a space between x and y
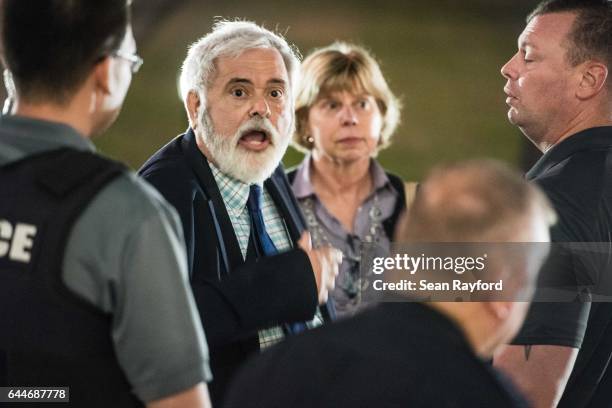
392, 355
235, 298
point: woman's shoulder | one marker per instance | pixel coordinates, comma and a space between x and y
394, 179
291, 172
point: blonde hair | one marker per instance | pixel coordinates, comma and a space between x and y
343, 67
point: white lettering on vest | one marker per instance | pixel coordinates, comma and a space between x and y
6, 232
18, 241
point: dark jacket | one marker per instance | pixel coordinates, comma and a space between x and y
235, 298
392, 355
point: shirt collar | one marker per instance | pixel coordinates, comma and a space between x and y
379, 176
302, 187
235, 193
589, 139
41, 135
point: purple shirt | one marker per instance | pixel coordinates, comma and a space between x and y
326, 229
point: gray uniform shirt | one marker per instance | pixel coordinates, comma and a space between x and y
126, 256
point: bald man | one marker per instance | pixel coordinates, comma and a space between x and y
408, 353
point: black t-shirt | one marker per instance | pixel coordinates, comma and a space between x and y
393, 355
576, 175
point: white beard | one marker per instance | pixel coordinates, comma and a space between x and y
232, 159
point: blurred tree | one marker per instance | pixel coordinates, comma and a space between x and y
442, 57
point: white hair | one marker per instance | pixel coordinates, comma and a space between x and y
230, 38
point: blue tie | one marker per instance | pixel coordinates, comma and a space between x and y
265, 242
254, 206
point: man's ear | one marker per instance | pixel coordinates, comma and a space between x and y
192, 103
500, 310
101, 75
594, 75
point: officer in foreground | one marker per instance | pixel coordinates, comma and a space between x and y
93, 287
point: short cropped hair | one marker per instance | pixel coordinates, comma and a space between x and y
473, 201
591, 33
230, 38
50, 46
343, 67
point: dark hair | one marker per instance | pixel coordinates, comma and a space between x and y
591, 34
50, 46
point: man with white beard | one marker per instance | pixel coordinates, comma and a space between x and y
254, 274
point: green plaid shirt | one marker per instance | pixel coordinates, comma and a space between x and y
235, 195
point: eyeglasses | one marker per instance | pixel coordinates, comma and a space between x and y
134, 59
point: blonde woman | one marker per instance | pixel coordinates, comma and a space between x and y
345, 114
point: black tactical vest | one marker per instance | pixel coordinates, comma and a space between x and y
48, 335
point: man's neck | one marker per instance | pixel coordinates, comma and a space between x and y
472, 321
67, 115
203, 148
581, 121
